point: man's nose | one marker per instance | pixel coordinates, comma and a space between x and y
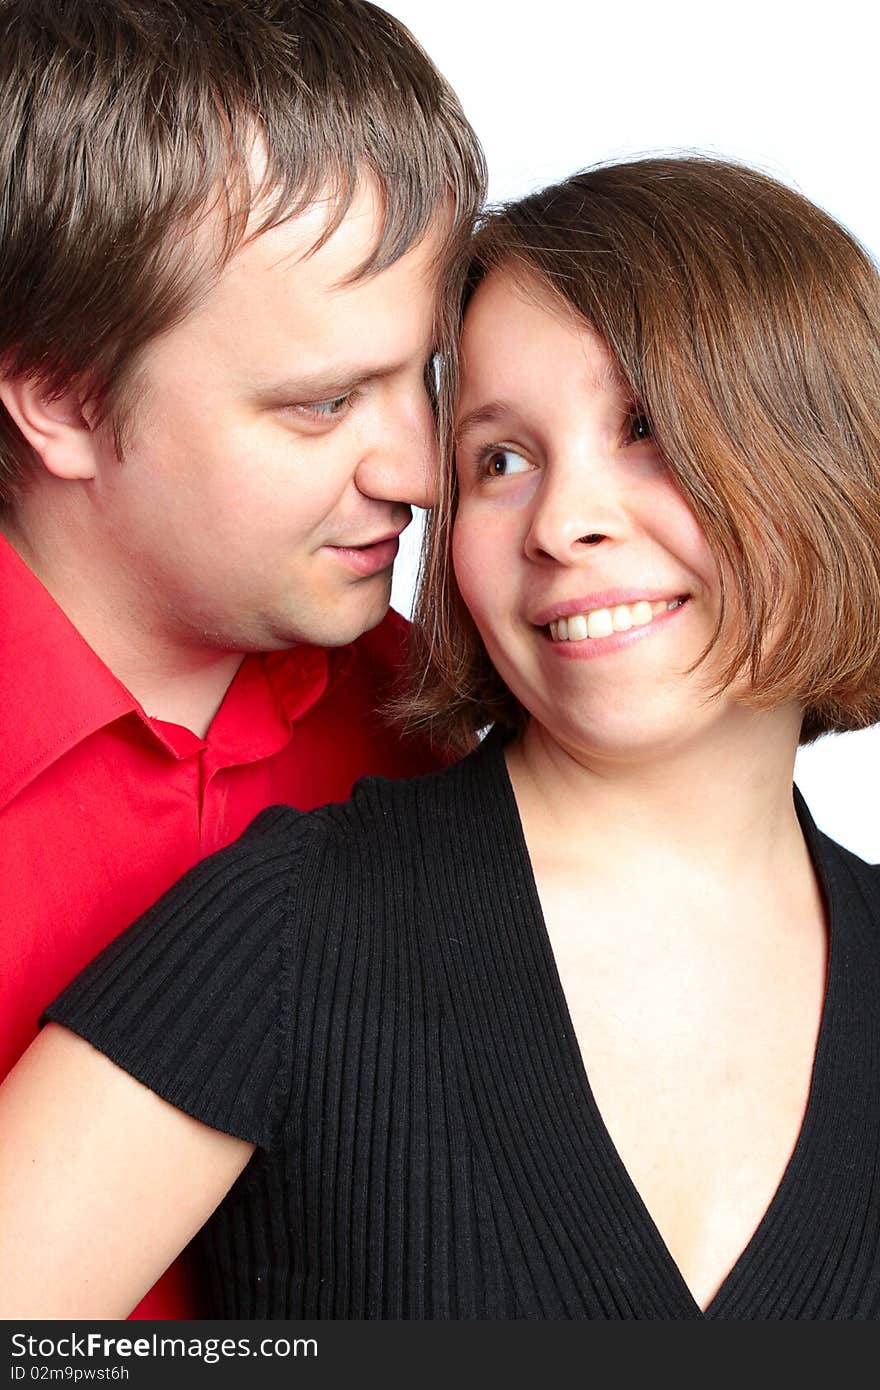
402, 462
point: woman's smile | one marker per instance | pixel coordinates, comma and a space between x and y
601, 631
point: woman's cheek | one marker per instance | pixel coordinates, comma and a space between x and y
469, 565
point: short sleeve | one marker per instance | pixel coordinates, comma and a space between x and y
193, 1000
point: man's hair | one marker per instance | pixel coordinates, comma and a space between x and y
746, 323
124, 123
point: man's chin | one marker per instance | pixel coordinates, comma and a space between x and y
339, 628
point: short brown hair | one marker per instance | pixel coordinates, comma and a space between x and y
746, 323
123, 122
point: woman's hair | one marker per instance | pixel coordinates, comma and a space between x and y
746, 323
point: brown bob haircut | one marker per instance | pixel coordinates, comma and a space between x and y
125, 123
746, 323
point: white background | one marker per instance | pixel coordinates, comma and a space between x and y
554, 85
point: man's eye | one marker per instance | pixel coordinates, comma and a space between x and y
496, 462
638, 428
325, 410
322, 411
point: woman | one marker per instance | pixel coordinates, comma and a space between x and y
556, 1033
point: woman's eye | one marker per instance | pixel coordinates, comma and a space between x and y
501, 463
638, 428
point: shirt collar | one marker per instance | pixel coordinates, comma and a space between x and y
54, 689
269, 694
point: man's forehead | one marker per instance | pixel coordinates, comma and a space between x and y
287, 325
330, 242
309, 229
285, 318
292, 258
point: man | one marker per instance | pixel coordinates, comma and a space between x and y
223, 230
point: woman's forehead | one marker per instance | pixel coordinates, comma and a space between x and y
511, 327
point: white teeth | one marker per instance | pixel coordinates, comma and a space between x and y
642, 613
599, 624
602, 622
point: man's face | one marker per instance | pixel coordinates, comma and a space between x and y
283, 432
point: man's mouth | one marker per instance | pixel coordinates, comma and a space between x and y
370, 557
391, 533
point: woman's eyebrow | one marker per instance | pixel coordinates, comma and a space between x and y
489, 414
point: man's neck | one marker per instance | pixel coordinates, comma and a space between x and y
190, 698
178, 684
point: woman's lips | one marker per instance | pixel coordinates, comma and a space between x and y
368, 559
589, 648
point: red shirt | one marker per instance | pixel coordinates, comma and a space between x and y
102, 808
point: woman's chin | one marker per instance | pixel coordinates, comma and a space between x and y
625, 735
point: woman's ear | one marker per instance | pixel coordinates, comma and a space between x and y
56, 428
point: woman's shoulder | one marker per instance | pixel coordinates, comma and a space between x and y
283, 842
195, 999
284, 846
862, 872
436, 813
848, 871
855, 881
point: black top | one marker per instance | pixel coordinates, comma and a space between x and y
368, 993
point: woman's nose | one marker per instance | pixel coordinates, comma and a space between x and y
573, 509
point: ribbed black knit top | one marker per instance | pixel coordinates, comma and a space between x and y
368, 993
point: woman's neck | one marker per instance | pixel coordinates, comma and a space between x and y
721, 800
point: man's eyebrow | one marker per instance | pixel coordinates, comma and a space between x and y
319, 386
489, 414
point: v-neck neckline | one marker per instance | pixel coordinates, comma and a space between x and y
516, 848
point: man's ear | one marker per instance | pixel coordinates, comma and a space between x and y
56, 428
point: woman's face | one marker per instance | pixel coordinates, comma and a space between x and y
583, 566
